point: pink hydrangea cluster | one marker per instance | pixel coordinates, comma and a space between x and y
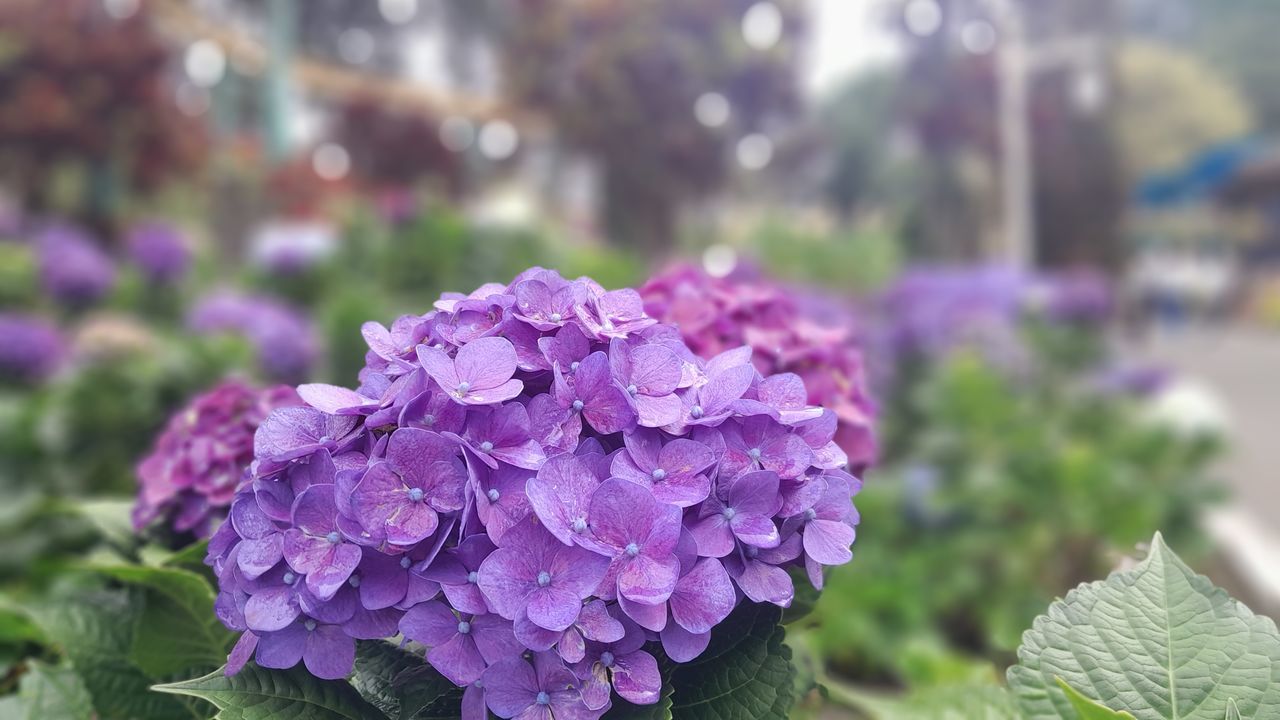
815, 340
542, 486
192, 473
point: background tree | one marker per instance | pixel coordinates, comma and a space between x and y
620, 81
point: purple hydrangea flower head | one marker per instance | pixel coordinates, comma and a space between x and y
31, 348
160, 251
73, 269
198, 461
283, 338
540, 484
790, 332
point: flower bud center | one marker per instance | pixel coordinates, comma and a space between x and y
573, 366
754, 453
463, 387
632, 389
464, 627
632, 549
752, 551
543, 698
473, 577
658, 474
333, 537
696, 411
579, 525
309, 625
556, 317
729, 513
289, 577
810, 514
429, 419
606, 658
578, 405
354, 581
405, 562
493, 495
415, 494
544, 578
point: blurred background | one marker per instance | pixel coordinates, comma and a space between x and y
1051, 228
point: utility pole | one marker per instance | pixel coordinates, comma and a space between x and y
1017, 173
277, 82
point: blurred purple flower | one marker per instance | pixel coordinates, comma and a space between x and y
192, 472
31, 348
73, 269
160, 251
283, 338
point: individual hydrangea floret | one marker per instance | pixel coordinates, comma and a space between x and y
539, 484
283, 338
73, 269
160, 251
788, 332
31, 348
192, 473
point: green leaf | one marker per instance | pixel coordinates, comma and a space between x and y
400, 683
1088, 708
941, 702
178, 632
256, 693
49, 693
745, 673
1158, 641
95, 630
112, 518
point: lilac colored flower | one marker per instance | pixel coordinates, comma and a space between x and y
197, 462
31, 349
536, 470
400, 497
73, 269
160, 251
480, 374
591, 392
745, 514
675, 472
283, 338
640, 534
545, 690
534, 574
462, 644
812, 339
622, 664
315, 547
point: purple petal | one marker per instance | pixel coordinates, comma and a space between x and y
828, 541
647, 580
713, 536
430, 623
560, 495
682, 645
458, 659
282, 650
486, 363
272, 609
636, 678
703, 598
510, 687
335, 400
330, 653
597, 624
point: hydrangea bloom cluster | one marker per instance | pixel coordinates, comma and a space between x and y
716, 314
31, 348
283, 338
160, 251
73, 269
538, 483
192, 473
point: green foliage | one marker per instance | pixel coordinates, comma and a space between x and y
745, 673
983, 701
178, 632
1007, 493
1158, 641
48, 693
1087, 708
848, 260
398, 682
257, 693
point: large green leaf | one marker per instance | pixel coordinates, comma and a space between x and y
95, 630
48, 693
400, 683
178, 633
1088, 708
256, 693
1159, 642
745, 674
